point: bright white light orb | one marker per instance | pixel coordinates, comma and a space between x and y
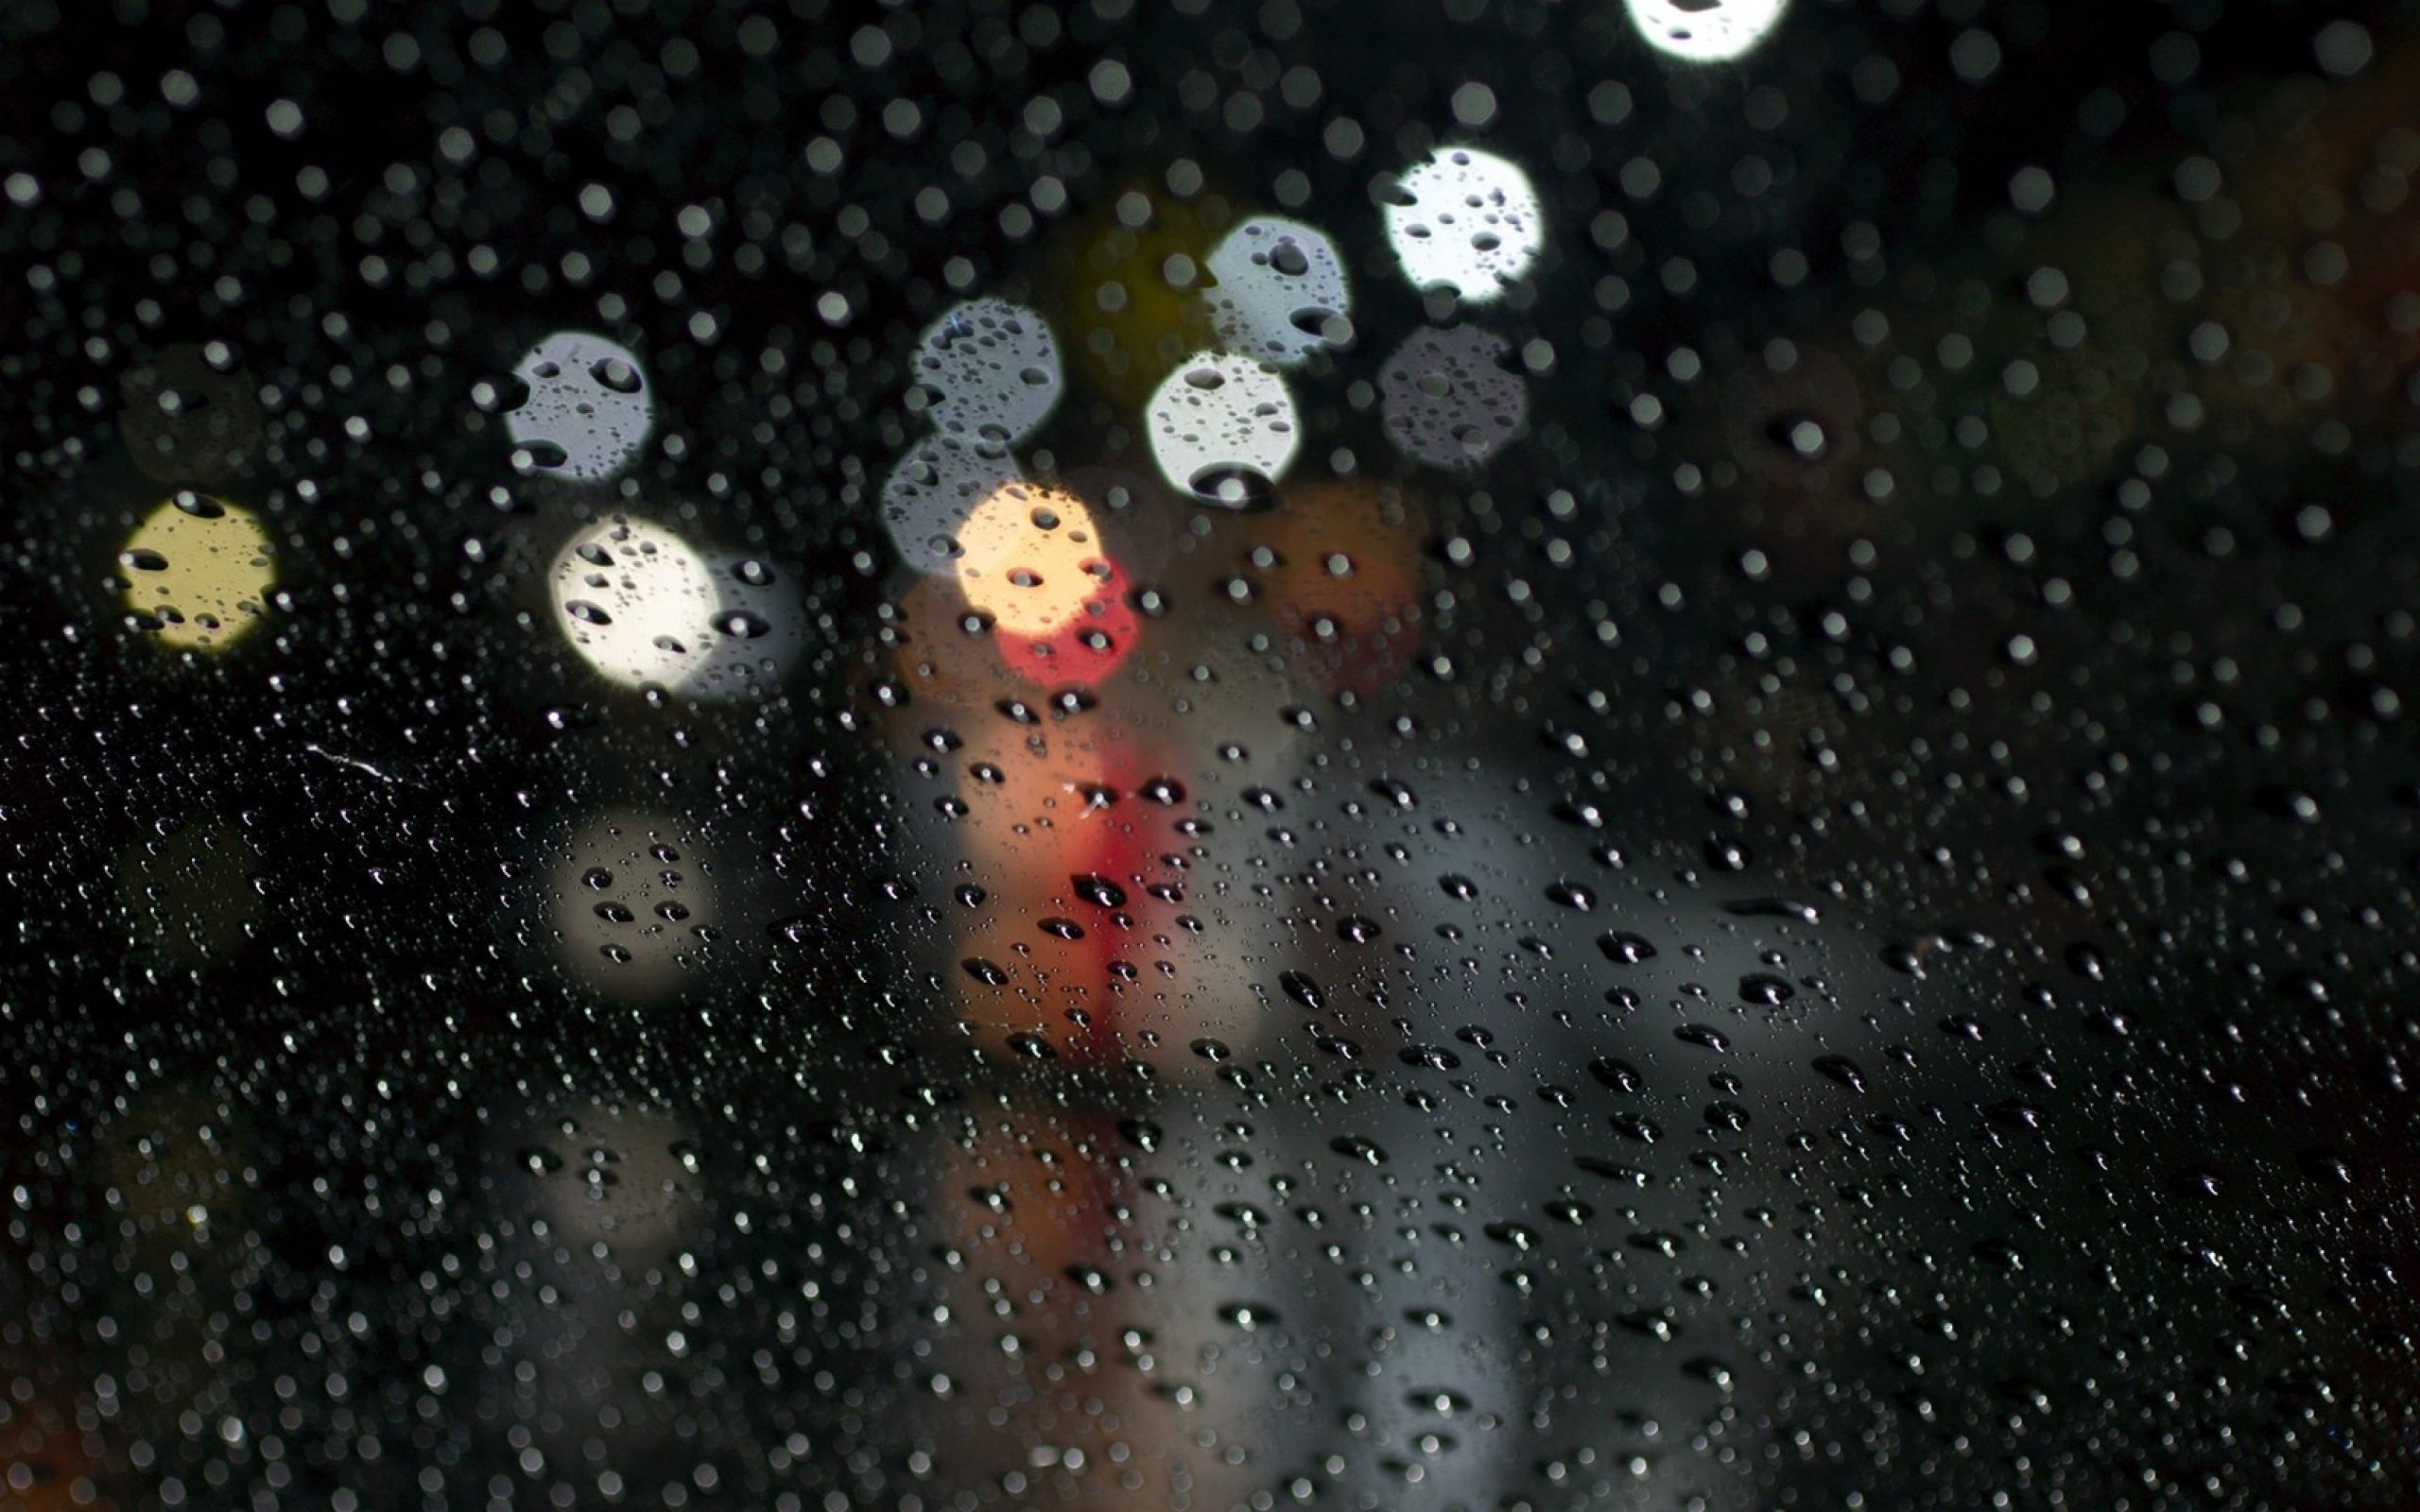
1466, 220
1703, 32
1224, 429
636, 601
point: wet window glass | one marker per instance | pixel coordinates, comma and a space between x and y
1484, 754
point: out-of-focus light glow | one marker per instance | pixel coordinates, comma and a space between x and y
929, 494
1466, 220
1705, 33
944, 661
645, 609
198, 569
1448, 398
1211, 682
1224, 429
615, 1176
990, 370
1126, 280
589, 408
631, 898
1280, 293
1346, 581
1084, 650
1032, 560
635, 600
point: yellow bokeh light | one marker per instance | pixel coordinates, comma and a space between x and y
1128, 296
199, 569
1031, 559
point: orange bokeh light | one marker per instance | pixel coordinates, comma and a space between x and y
1032, 560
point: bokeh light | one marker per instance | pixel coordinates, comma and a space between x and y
1084, 650
989, 369
634, 904
932, 490
588, 409
615, 1176
1280, 293
648, 611
198, 571
1343, 577
1224, 429
1032, 560
1465, 220
1126, 283
1450, 397
636, 601
1705, 32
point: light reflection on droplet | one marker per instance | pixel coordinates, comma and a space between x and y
1466, 220
197, 572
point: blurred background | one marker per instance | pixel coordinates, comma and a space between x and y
1485, 755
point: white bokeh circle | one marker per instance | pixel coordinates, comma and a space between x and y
1281, 292
635, 601
1705, 33
588, 410
1224, 428
1466, 220
989, 369
932, 490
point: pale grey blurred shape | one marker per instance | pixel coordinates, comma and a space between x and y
1448, 401
989, 369
589, 397
1281, 290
